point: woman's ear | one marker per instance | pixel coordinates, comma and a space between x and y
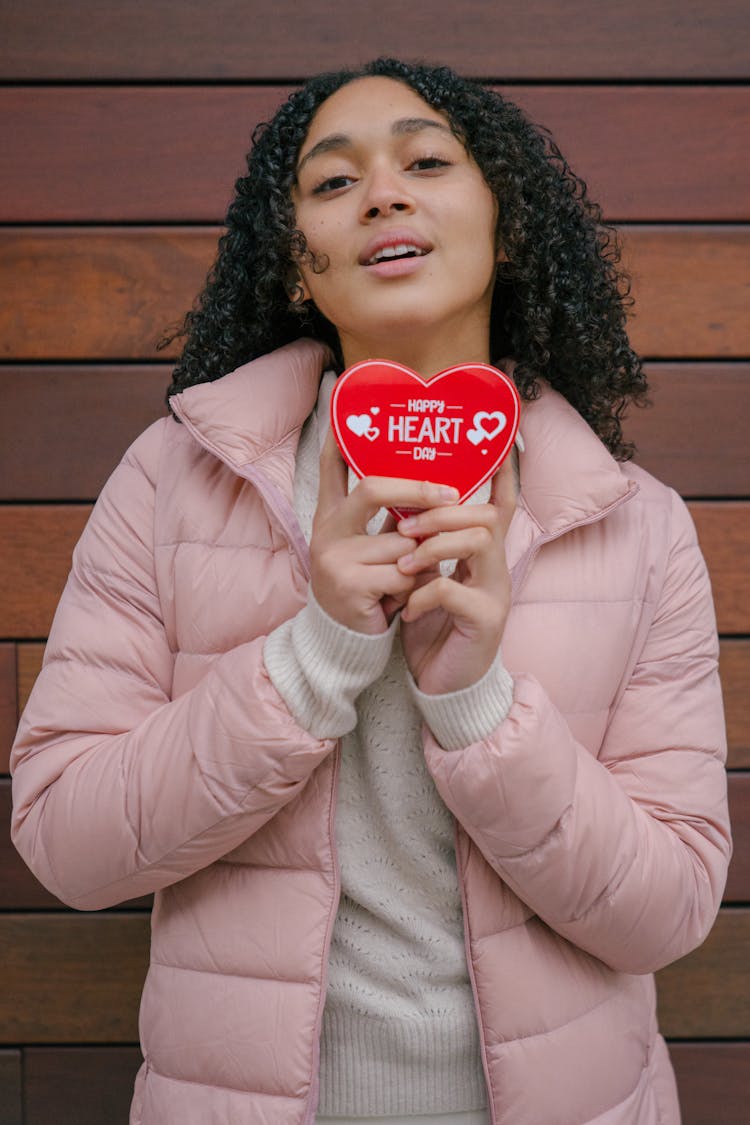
295, 286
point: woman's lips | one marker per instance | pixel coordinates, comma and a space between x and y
397, 267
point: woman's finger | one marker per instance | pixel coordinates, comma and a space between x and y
469, 606
469, 543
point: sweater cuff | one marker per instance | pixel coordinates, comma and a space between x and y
319, 667
458, 718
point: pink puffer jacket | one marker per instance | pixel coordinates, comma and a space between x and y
592, 834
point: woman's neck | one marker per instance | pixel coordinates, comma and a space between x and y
425, 358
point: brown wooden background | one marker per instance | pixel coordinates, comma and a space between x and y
122, 127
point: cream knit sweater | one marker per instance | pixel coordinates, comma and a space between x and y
399, 1030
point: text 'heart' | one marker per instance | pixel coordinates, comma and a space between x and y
455, 428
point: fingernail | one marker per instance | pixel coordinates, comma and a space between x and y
406, 560
447, 493
407, 524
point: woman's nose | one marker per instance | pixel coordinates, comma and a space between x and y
386, 192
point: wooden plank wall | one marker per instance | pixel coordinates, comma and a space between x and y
122, 127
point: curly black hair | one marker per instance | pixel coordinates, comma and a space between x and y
560, 300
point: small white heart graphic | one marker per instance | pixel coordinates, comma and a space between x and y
481, 432
374, 409
359, 424
372, 433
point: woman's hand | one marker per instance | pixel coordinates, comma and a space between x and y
451, 628
354, 576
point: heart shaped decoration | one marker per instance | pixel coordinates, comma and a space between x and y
456, 428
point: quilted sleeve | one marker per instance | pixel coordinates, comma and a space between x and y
624, 854
118, 790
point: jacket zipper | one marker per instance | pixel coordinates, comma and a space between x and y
518, 577
473, 980
278, 505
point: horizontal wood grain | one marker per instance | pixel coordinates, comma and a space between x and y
36, 543
79, 1085
77, 979
691, 290
29, 660
738, 882
231, 40
19, 889
707, 993
109, 293
734, 664
712, 1081
90, 1085
647, 153
72, 978
710, 399
43, 458
96, 293
11, 1101
724, 536
8, 704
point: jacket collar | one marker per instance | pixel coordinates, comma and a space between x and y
568, 477
255, 414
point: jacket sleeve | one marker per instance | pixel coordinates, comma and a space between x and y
118, 789
624, 854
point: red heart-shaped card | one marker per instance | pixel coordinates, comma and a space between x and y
455, 428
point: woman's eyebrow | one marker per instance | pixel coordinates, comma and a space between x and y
405, 125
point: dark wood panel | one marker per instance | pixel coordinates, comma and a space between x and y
690, 286
738, 883
42, 456
651, 153
19, 889
79, 1085
77, 978
519, 39
174, 156
647, 153
29, 659
90, 1085
36, 543
707, 993
97, 293
724, 535
713, 1080
735, 679
73, 978
91, 415
11, 1108
695, 436
8, 713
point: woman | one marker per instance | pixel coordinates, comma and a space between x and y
417, 841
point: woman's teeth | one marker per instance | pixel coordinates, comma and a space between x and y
404, 249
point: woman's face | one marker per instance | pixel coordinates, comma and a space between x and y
391, 198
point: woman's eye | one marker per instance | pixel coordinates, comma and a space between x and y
427, 163
332, 184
